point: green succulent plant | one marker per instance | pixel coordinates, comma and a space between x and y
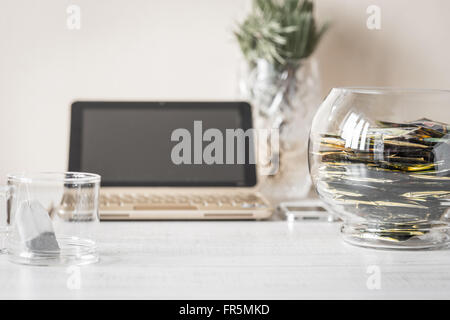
279, 31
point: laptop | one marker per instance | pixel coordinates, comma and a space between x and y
168, 160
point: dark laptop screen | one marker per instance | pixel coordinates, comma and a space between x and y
140, 143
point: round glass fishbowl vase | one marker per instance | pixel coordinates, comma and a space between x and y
380, 159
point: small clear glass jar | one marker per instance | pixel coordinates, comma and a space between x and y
51, 217
380, 159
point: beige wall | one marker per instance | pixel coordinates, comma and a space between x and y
177, 49
412, 49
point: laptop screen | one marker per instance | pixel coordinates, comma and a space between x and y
163, 144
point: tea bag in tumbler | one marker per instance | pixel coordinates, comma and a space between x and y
35, 227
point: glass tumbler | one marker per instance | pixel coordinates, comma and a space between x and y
51, 217
4, 194
380, 159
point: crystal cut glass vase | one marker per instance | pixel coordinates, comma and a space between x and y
284, 100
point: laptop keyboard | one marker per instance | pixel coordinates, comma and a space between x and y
180, 201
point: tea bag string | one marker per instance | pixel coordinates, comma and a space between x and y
78, 200
27, 191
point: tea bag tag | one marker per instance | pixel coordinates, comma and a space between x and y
35, 227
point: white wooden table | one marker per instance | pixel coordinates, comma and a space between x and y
233, 260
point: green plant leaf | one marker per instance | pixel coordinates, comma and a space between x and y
279, 31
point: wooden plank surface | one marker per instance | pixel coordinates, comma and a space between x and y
233, 260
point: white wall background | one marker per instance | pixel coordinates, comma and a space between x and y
178, 49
